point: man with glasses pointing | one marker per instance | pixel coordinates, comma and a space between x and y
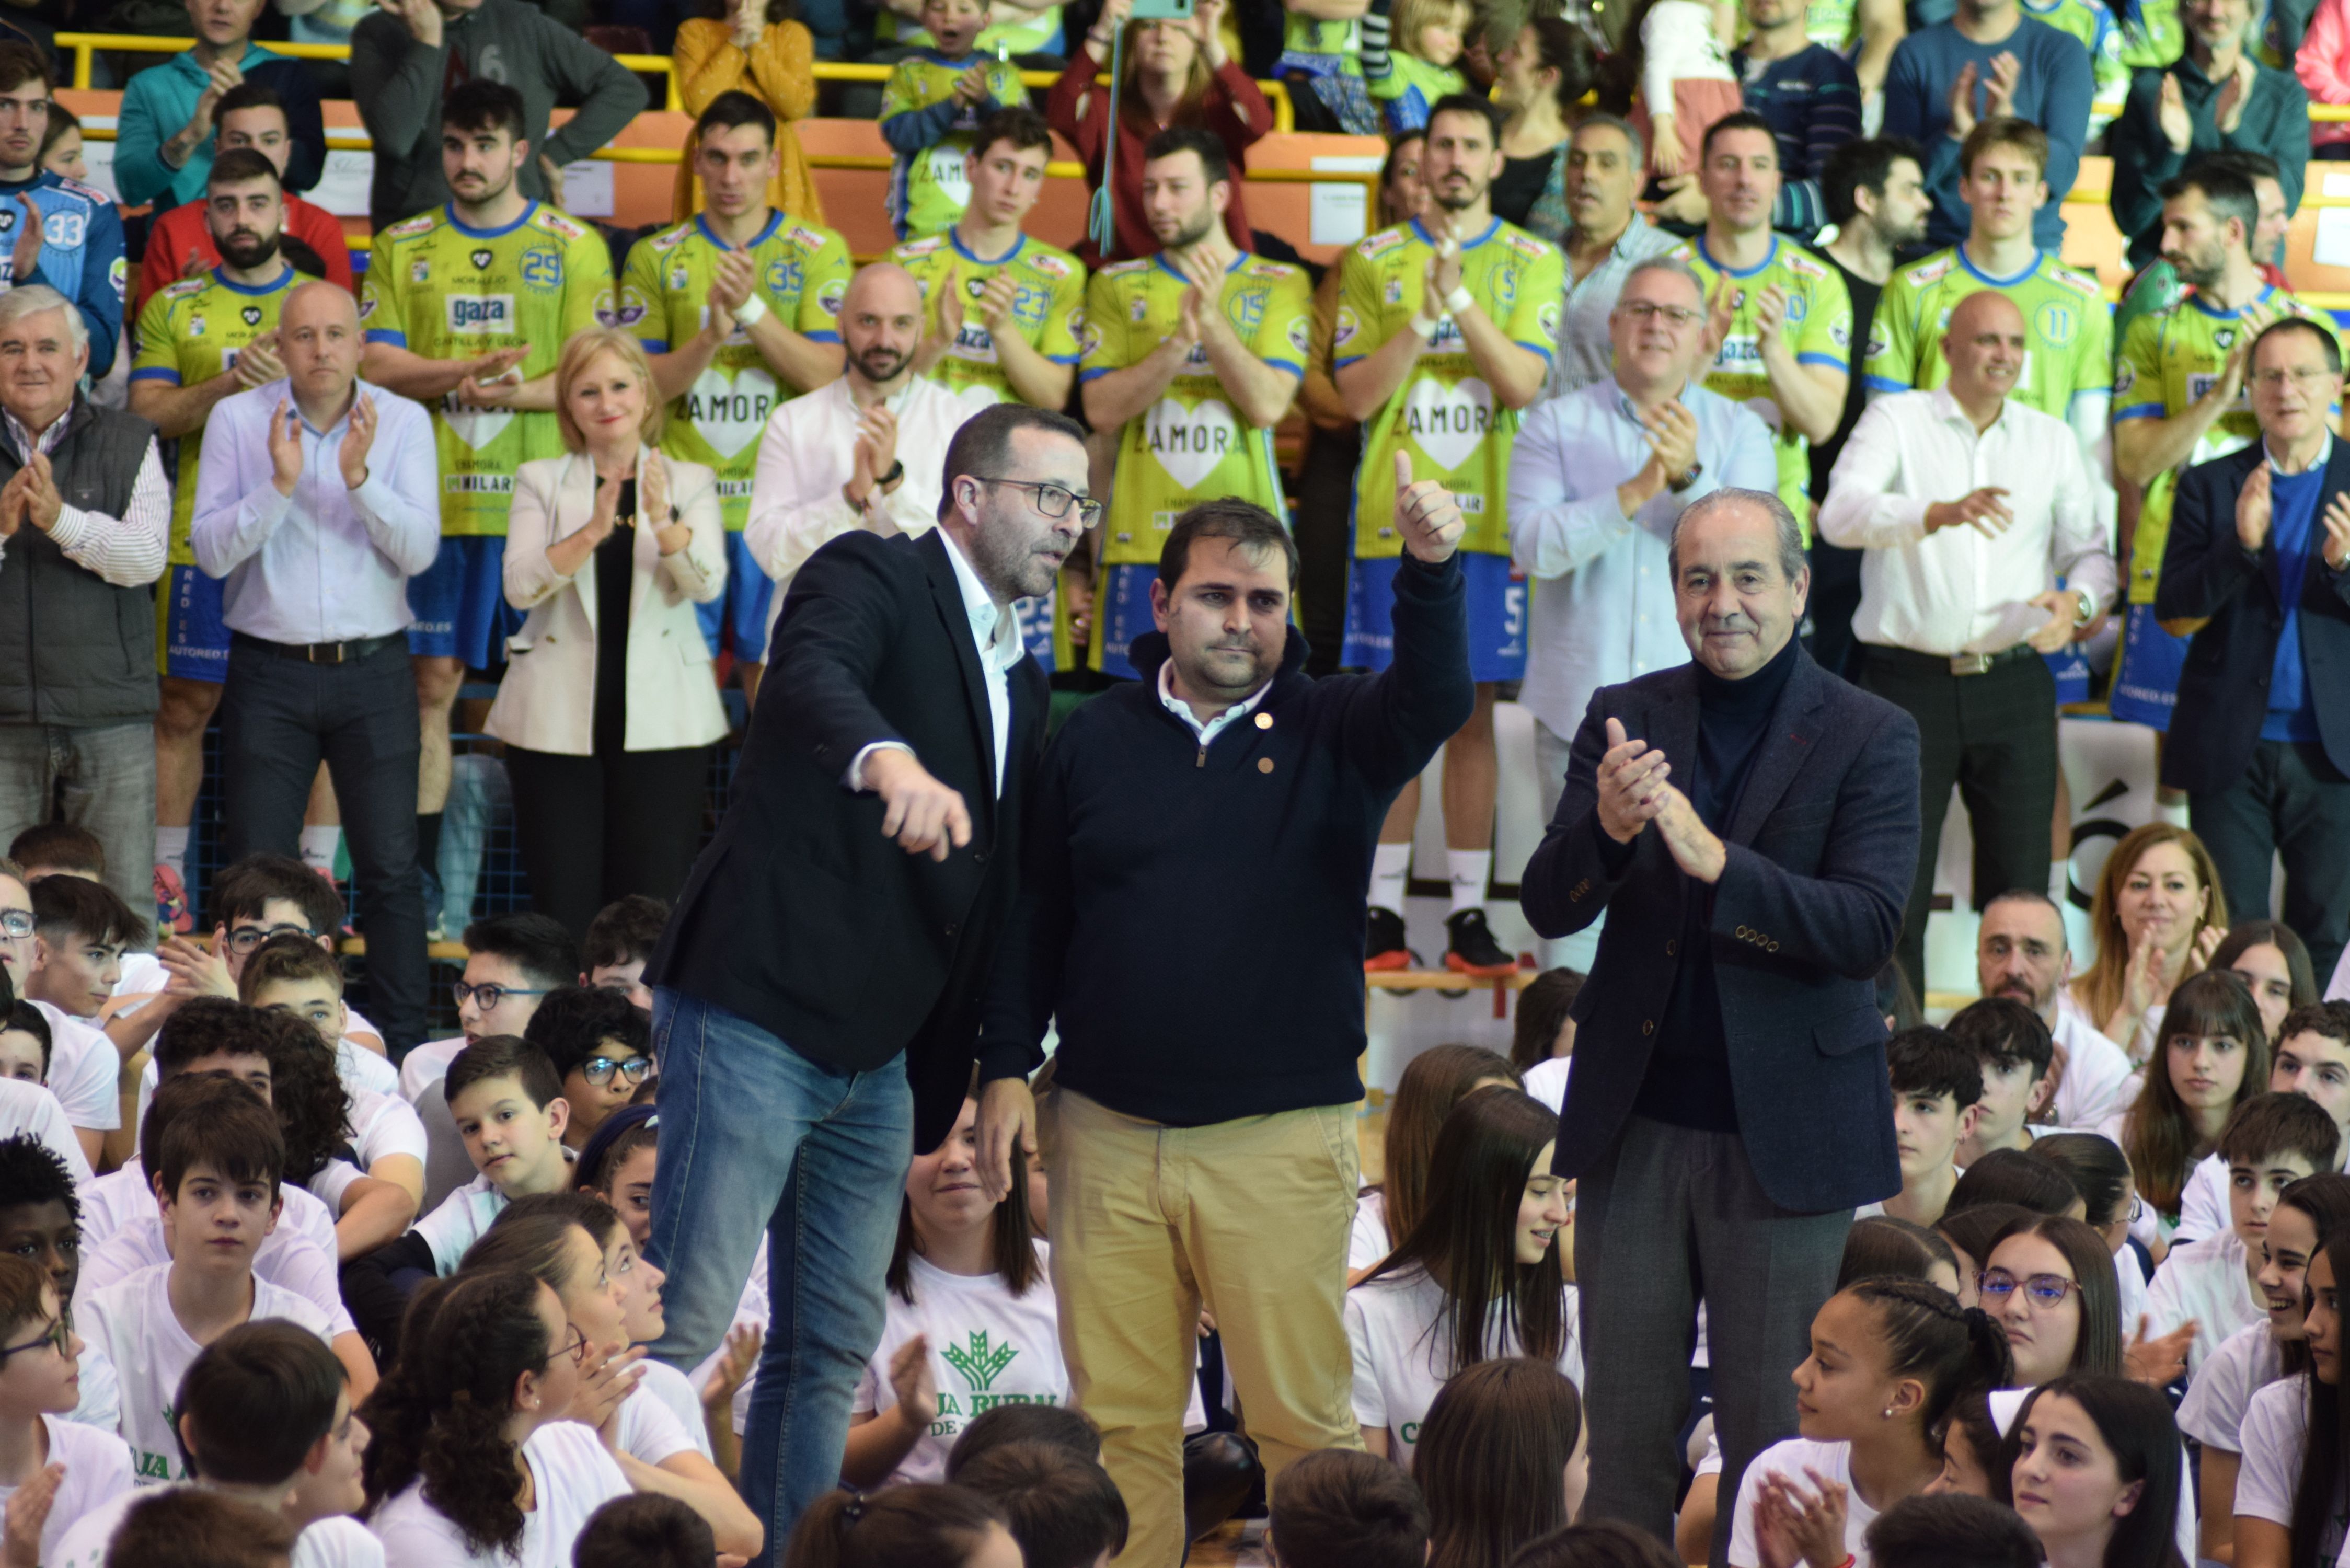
817, 993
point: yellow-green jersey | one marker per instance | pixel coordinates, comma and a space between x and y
1019, 33
1048, 311
801, 273
446, 290
190, 332
1835, 23
1340, 39
1190, 445
1817, 326
2068, 329
929, 130
2170, 358
1445, 413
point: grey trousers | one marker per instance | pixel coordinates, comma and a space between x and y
1670, 1217
98, 776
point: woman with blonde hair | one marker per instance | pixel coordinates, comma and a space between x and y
761, 47
608, 707
2160, 916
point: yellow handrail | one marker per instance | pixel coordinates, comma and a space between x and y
85, 45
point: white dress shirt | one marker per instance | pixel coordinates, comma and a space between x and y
995, 633
807, 455
328, 564
129, 553
1962, 590
1603, 593
1206, 729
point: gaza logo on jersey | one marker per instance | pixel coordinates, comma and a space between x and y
542, 269
479, 314
2056, 322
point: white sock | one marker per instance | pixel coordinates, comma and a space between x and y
1471, 867
1390, 867
172, 850
319, 846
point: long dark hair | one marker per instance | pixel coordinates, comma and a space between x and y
1542, 1005
935, 1526
2136, 1425
313, 1107
1953, 1350
2246, 935
1012, 1238
1492, 1458
2098, 1349
2159, 1135
2325, 1198
1431, 1084
440, 1414
2322, 1455
1883, 1247
1467, 1240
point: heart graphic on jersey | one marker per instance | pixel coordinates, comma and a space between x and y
480, 260
1447, 423
477, 428
252, 314
1190, 440
730, 410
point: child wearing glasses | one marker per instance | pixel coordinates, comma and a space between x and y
218, 1188
40, 1386
476, 1454
513, 962
602, 1046
2270, 1141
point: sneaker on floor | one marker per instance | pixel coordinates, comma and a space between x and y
172, 911
1471, 948
1383, 943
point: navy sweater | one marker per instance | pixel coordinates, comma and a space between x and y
2052, 92
1194, 917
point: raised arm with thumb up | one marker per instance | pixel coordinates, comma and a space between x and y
1427, 515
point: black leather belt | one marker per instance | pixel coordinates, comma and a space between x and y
319, 652
1945, 664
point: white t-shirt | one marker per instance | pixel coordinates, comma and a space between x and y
383, 1124
337, 1542
101, 1392
572, 1477
2338, 987
1546, 1080
1399, 1358
134, 1320
426, 1065
144, 975
460, 1220
2276, 1434
1369, 1241
2099, 1081
674, 1392
2204, 1281
2006, 1402
2213, 1411
98, 1468
1791, 1458
286, 1258
31, 1108
988, 1347
649, 1431
2203, 1203
2129, 1274
84, 1071
124, 1197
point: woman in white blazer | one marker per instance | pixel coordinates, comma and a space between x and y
610, 707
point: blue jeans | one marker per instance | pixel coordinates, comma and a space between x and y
755, 1137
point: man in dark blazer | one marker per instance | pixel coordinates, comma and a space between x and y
2254, 569
817, 994
1750, 823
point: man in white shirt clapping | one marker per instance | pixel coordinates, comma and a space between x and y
1969, 507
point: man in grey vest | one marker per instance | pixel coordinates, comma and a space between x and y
84, 513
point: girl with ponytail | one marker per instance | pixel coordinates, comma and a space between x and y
471, 1462
936, 1526
1889, 1359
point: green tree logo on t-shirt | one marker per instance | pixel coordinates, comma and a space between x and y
982, 1362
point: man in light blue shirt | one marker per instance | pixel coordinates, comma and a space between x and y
1596, 480
317, 498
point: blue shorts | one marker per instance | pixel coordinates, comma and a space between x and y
2071, 671
2146, 673
738, 615
1121, 614
190, 638
460, 603
1497, 615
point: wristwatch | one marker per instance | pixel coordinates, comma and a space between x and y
2085, 607
1680, 483
897, 471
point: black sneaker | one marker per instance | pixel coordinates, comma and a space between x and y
1471, 948
1383, 942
